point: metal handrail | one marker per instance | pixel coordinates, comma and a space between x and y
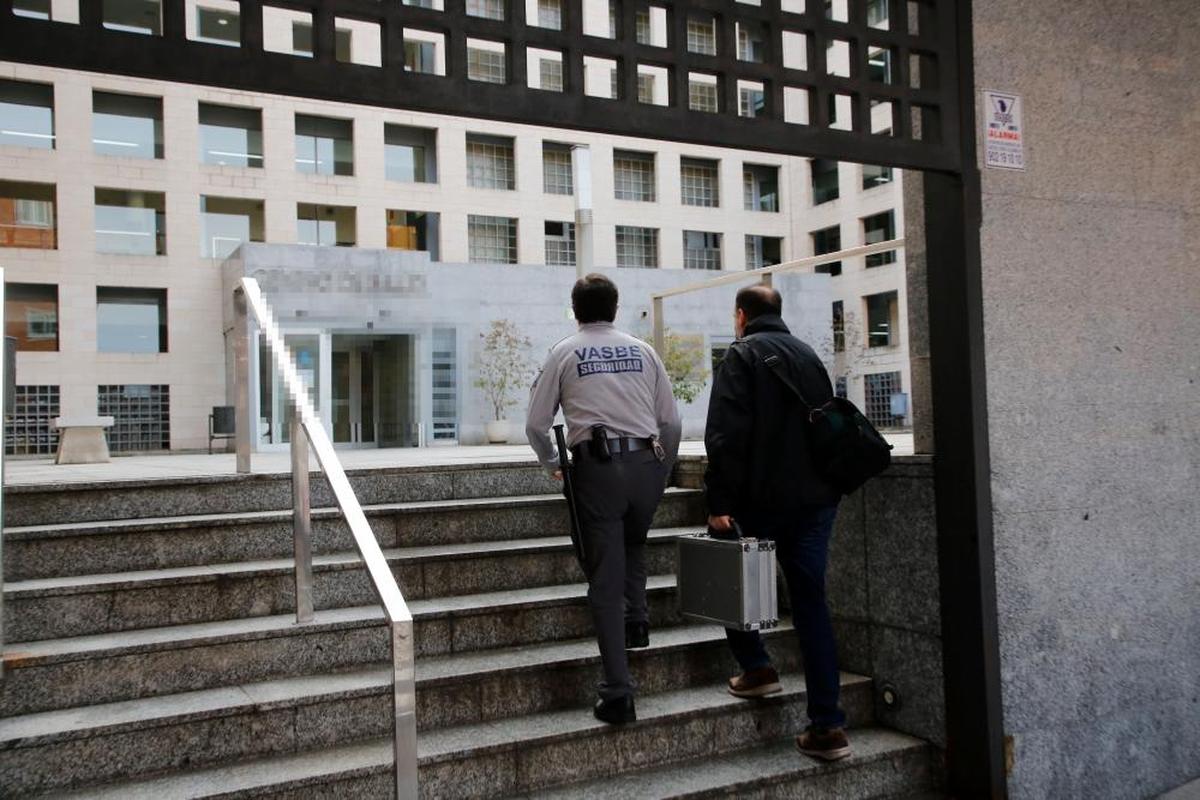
3, 421
306, 429
762, 273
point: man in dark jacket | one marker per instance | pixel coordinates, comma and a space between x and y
761, 474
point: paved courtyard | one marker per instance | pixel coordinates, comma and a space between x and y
23, 472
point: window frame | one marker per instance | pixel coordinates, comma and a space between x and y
558, 176
833, 268
635, 176
708, 256
479, 252
22, 314
111, 117
312, 123
39, 129
890, 301
491, 162
133, 296
644, 239
825, 189
560, 247
253, 135
885, 232
702, 176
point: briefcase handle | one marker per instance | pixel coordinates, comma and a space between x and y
731, 535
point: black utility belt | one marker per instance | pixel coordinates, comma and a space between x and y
616, 446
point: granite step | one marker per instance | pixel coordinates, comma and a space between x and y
885, 764
56, 674
314, 710
449, 624
483, 760
182, 539
89, 604
47, 504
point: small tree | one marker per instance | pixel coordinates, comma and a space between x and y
683, 357
503, 365
844, 343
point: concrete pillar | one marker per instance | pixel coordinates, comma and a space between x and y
581, 169
916, 275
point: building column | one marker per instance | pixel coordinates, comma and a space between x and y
915, 254
581, 168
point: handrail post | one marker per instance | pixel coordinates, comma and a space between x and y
660, 330
404, 689
301, 519
306, 430
241, 380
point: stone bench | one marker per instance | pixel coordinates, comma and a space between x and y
81, 440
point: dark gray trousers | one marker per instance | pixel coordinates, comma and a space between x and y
616, 501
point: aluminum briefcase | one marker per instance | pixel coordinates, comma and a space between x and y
728, 581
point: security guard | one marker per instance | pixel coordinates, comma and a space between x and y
623, 430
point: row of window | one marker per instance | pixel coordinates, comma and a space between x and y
132, 126
494, 240
134, 223
881, 313
128, 320
875, 229
826, 182
141, 418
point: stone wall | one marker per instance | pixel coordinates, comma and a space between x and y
883, 591
1092, 314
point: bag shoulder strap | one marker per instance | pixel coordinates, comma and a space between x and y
775, 363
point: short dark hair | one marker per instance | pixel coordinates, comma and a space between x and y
757, 300
594, 299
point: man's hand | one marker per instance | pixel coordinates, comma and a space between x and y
721, 524
558, 474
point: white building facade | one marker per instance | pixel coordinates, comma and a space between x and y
121, 197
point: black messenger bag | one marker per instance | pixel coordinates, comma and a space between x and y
847, 450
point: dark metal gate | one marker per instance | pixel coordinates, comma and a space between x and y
910, 66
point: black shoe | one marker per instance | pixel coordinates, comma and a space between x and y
637, 634
617, 711
826, 744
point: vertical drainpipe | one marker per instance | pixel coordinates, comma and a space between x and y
581, 173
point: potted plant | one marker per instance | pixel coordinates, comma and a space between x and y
503, 367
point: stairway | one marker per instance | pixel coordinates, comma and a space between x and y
153, 654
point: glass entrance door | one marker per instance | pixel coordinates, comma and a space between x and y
274, 407
374, 386
353, 391
362, 385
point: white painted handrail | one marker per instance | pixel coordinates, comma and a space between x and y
763, 274
248, 300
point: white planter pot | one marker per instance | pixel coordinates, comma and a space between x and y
498, 432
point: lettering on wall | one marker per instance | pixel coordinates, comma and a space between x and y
342, 281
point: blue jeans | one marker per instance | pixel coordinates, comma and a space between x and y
802, 539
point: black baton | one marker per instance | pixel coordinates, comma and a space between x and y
564, 466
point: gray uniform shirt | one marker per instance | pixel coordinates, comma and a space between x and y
601, 376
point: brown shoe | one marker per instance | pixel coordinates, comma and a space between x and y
827, 745
755, 683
